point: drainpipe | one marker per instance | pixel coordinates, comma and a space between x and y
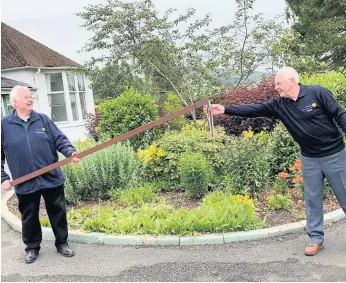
38, 71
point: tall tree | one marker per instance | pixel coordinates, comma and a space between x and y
178, 52
320, 26
113, 79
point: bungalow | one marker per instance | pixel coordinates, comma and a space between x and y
58, 89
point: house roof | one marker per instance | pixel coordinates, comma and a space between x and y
9, 83
19, 50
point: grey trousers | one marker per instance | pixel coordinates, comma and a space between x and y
332, 167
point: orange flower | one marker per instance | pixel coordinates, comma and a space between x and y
298, 179
284, 175
297, 166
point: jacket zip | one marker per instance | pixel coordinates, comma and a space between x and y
32, 158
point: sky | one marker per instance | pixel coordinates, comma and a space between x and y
54, 23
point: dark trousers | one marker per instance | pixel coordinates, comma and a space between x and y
29, 206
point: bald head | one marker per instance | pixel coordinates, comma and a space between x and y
287, 82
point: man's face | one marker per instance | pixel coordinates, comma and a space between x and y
283, 86
24, 100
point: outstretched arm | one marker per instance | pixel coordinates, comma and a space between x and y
245, 110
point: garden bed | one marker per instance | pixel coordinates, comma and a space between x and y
180, 200
176, 199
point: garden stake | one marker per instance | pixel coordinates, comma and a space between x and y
210, 121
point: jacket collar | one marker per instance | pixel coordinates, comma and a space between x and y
302, 91
13, 119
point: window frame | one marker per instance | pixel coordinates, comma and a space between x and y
3, 104
66, 92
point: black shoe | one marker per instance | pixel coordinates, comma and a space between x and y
65, 251
30, 256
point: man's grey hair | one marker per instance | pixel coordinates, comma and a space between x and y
290, 73
13, 93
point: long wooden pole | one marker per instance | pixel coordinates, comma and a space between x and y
120, 138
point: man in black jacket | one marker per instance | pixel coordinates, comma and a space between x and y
311, 115
30, 141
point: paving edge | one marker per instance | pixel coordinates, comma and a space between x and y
147, 240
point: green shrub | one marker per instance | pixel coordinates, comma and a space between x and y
171, 105
103, 221
116, 166
279, 201
129, 111
327, 191
76, 217
283, 150
280, 185
45, 222
247, 164
219, 212
332, 80
135, 196
163, 185
161, 158
82, 145
195, 173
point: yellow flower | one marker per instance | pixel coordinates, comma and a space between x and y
141, 153
248, 134
147, 159
152, 149
245, 200
160, 152
75, 165
144, 155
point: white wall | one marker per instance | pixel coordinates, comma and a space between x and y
74, 130
22, 75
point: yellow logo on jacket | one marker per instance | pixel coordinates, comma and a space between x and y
310, 107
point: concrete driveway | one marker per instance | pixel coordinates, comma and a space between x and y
275, 259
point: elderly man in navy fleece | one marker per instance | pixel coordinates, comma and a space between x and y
311, 115
30, 141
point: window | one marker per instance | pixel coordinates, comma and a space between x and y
74, 106
56, 97
77, 90
81, 88
6, 105
83, 104
71, 84
73, 91
80, 81
66, 95
56, 83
